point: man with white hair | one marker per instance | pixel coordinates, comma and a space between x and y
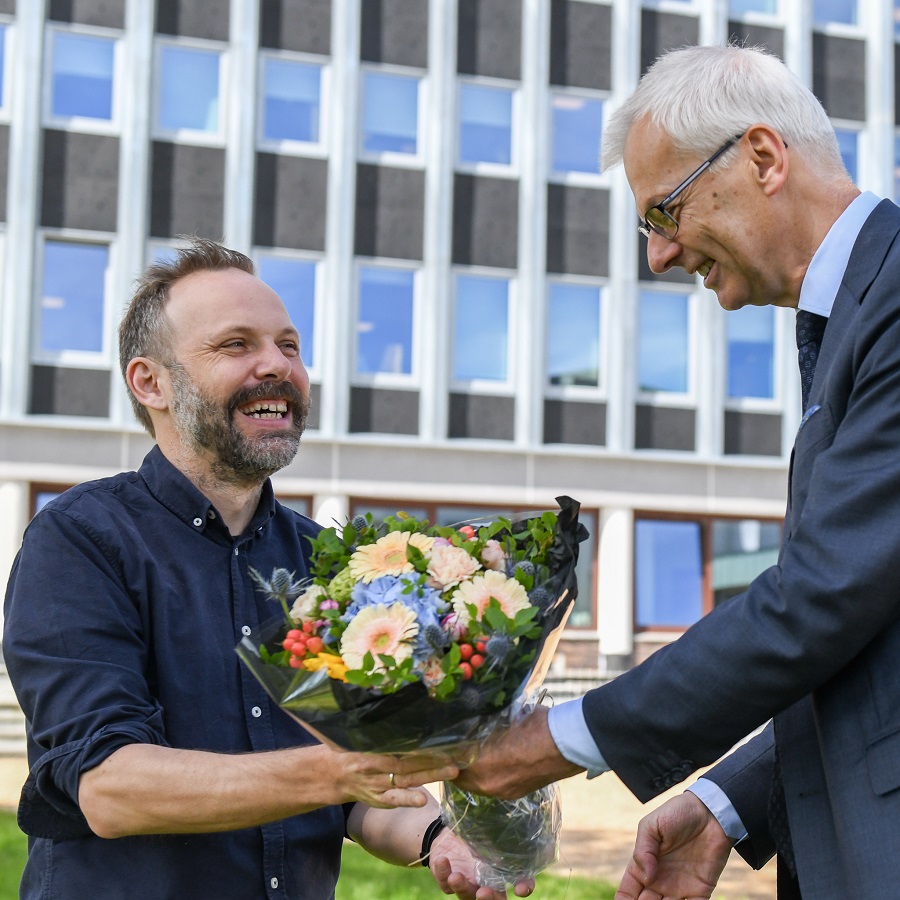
737, 177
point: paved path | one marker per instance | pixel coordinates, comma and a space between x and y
599, 821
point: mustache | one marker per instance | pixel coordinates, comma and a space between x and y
267, 390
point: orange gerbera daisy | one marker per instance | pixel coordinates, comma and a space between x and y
387, 556
478, 593
388, 630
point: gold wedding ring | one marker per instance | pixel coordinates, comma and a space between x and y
393, 783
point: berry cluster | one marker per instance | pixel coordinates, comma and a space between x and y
302, 642
472, 658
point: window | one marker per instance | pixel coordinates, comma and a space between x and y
848, 143
291, 101
73, 283
384, 324
42, 494
3, 55
577, 128
663, 341
302, 505
741, 7
685, 567
485, 124
481, 333
188, 89
294, 280
82, 76
390, 113
573, 335
842, 11
896, 19
751, 352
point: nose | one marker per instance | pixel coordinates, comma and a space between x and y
272, 364
661, 253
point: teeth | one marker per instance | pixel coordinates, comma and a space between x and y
704, 269
266, 409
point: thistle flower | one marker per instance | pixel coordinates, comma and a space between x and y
280, 587
498, 648
541, 596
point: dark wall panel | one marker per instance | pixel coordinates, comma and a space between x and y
752, 434
107, 13
390, 212
772, 39
485, 221
665, 31
839, 75
290, 202
301, 25
187, 187
577, 230
489, 38
481, 416
8, 7
4, 169
189, 18
580, 39
69, 392
380, 411
570, 422
664, 428
394, 31
80, 180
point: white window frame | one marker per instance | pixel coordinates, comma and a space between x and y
104, 358
316, 341
87, 124
491, 169
506, 387
286, 146
388, 379
588, 179
391, 157
190, 135
782, 332
580, 391
688, 398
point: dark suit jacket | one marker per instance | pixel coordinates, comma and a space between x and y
815, 640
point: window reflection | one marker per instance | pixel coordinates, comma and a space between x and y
294, 280
3, 32
82, 76
485, 124
841, 11
751, 340
189, 89
573, 335
481, 330
663, 342
848, 143
292, 100
668, 573
741, 550
577, 127
390, 113
384, 326
740, 7
72, 297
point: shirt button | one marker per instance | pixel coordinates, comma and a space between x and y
198, 521
246, 629
235, 551
256, 712
274, 883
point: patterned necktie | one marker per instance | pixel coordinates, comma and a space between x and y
810, 328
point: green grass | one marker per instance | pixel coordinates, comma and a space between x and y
362, 876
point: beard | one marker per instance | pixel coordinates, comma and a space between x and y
207, 426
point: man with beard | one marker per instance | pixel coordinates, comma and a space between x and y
158, 766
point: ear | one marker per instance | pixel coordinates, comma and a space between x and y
768, 156
145, 378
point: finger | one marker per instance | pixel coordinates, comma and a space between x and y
441, 871
419, 777
461, 886
524, 888
407, 798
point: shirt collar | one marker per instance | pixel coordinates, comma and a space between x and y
823, 277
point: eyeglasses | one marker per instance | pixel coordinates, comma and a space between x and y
658, 219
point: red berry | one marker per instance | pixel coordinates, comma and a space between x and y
477, 661
299, 648
287, 643
308, 627
294, 633
295, 662
466, 670
481, 646
465, 650
315, 644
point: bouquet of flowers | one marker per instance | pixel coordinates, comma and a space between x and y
411, 637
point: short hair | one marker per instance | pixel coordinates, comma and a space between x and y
702, 96
145, 329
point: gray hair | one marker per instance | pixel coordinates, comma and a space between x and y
702, 96
145, 329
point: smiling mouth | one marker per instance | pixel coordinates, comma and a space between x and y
266, 409
703, 270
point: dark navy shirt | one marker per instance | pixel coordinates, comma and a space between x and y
123, 609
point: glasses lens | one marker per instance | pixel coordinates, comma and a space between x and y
661, 222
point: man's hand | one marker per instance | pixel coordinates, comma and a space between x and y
390, 781
679, 853
453, 864
517, 760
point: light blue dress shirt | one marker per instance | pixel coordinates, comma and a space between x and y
820, 286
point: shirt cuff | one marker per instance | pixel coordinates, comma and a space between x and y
573, 739
717, 802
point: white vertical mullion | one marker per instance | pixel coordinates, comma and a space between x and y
879, 170
798, 39
622, 297
528, 349
434, 302
341, 193
713, 21
135, 93
22, 203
